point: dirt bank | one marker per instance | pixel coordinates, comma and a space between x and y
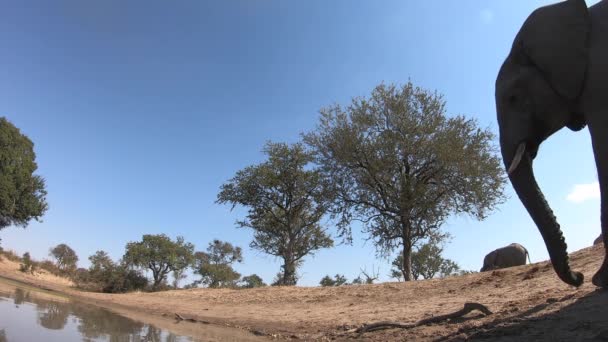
528, 303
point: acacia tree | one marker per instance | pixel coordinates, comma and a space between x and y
66, 257
159, 254
22, 193
215, 266
286, 202
427, 262
401, 167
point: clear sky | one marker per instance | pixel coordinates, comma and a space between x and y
140, 110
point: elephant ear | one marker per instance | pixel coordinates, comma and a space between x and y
555, 39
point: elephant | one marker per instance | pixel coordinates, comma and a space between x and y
598, 240
508, 256
555, 76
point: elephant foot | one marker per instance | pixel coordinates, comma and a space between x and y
600, 279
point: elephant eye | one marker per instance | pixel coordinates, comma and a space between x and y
512, 99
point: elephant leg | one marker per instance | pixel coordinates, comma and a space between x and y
598, 127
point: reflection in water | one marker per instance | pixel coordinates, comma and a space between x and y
65, 321
53, 315
21, 296
95, 323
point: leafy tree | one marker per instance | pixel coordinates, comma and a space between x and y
100, 261
286, 202
397, 163
101, 268
22, 193
327, 281
65, 257
252, 281
427, 262
177, 276
338, 280
215, 266
27, 265
159, 254
107, 276
123, 279
448, 268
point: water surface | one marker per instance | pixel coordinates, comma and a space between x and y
30, 315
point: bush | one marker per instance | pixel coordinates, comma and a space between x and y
252, 281
50, 267
106, 276
337, 281
123, 280
27, 264
10, 255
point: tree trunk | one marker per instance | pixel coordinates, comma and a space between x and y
406, 266
406, 236
289, 272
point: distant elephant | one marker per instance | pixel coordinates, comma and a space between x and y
555, 76
508, 256
598, 240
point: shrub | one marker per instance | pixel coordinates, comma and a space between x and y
26, 263
252, 281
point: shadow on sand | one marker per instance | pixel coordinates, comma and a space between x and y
584, 320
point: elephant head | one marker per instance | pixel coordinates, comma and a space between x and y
537, 93
489, 262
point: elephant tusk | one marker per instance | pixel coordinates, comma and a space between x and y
518, 154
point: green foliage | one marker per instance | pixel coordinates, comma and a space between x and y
27, 265
50, 267
357, 281
215, 266
427, 262
22, 193
286, 200
252, 281
66, 258
159, 254
397, 163
178, 275
122, 279
282, 280
338, 280
106, 276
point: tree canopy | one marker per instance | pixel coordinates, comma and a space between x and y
66, 257
215, 266
159, 254
22, 193
286, 201
252, 281
337, 280
399, 165
427, 262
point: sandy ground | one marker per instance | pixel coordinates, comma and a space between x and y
528, 303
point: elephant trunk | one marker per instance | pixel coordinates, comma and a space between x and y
524, 183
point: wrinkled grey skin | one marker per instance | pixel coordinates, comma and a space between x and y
556, 76
508, 256
598, 240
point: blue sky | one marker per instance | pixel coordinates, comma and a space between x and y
141, 110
